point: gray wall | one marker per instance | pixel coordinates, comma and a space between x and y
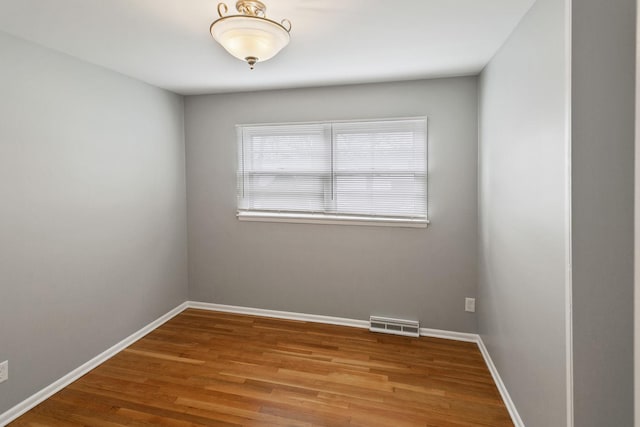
523, 232
603, 85
92, 213
347, 271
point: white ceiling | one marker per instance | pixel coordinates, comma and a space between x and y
167, 42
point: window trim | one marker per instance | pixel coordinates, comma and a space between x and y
328, 122
337, 219
314, 218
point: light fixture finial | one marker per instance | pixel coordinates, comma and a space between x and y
251, 61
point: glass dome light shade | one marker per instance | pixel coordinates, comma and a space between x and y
250, 36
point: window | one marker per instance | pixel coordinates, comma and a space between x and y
372, 172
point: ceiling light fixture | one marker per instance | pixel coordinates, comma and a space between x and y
250, 36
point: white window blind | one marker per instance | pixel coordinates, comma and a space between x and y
364, 170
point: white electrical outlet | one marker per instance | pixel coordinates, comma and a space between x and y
4, 371
470, 305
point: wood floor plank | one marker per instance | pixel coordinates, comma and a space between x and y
205, 368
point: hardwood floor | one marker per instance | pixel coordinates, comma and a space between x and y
207, 368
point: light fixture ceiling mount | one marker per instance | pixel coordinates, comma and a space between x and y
250, 36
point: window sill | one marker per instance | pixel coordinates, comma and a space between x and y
331, 219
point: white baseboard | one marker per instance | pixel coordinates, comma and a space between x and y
511, 407
316, 318
449, 335
288, 315
58, 385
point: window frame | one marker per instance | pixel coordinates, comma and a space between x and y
329, 218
